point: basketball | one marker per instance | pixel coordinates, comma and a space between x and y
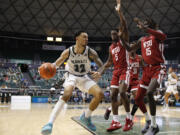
47, 70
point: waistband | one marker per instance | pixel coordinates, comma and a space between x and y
77, 75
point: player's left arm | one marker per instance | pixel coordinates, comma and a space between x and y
94, 56
157, 33
123, 32
174, 76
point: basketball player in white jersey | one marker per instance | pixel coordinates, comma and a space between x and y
171, 87
78, 67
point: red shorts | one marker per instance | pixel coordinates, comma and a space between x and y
150, 72
133, 86
118, 75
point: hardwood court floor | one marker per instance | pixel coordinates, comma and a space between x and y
29, 122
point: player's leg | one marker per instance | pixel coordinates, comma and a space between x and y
69, 85
139, 100
47, 129
123, 88
89, 85
175, 92
115, 124
166, 97
135, 106
152, 106
158, 73
109, 108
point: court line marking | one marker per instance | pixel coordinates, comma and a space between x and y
169, 132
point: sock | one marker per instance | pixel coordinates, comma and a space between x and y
131, 117
116, 118
128, 115
88, 113
146, 116
58, 107
153, 121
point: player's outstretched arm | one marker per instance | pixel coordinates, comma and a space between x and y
108, 63
123, 32
64, 55
158, 34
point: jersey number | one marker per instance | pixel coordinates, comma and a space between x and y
148, 51
134, 71
116, 56
79, 68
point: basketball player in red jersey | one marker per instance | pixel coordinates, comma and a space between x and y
153, 72
117, 57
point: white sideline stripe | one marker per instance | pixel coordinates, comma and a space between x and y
167, 132
114, 86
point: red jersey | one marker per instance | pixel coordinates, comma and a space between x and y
133, 66
119, 55
152, 47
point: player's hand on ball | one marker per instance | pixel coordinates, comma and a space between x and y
95, 75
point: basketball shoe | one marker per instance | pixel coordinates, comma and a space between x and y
146, 127
152, 130
87, 122
114, 126
128, 125
47, 129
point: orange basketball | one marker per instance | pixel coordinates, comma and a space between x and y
47, 70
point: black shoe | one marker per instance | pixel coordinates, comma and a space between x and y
152, 130
107, 114
146, 127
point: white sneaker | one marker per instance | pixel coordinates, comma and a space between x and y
165, 108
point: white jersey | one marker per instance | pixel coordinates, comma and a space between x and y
171, 80
78, 64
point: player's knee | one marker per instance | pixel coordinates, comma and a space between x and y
99, 95
123, 94
66, 96
150, 94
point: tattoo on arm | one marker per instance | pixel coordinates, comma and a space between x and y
94, 56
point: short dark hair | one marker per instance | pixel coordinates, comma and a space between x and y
79, 33
152, 24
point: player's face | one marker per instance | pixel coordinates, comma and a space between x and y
170, 70
132, 53
114, 35
82, 39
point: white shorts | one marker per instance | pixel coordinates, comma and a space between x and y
82, 83
172, 89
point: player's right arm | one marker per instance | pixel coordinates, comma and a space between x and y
174, 76
108, 63
64, 55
